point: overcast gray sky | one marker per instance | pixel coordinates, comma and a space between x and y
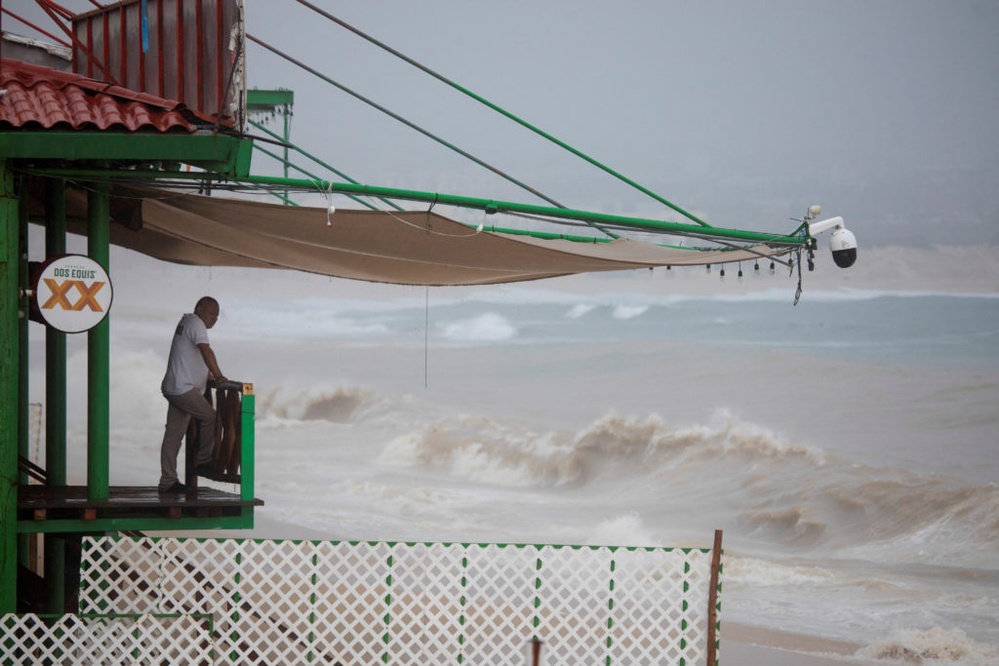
743, 111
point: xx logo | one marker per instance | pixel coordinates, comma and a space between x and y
60, 291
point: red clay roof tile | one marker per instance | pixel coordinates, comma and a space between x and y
40, 97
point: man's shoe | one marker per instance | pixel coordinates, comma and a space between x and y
178, 488
206, 470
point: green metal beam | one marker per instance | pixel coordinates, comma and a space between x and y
266, 100
98, 354
146, 523
23, 386
220, 153
247, 469
490, 206
279, 102
9, 343
55, 344
55, 401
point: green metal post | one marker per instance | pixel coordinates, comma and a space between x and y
9, 343
98, 354
246, 468
55, 344
23, 414
55, 401
279, 102
287, 139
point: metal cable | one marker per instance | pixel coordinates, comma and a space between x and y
408, 123
504, 112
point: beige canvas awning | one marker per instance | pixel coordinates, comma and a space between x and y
413, 247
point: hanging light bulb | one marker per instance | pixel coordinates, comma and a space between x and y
708, 267
740, 271
756, 267
722, 273
773, 267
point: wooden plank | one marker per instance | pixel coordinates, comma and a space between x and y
44, 497
716, 553
45, 504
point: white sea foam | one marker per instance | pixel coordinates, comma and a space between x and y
488, 327
629, 311
625, 530
579, 309
935, 646
755, 572
339, 404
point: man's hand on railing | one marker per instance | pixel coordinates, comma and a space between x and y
226, 384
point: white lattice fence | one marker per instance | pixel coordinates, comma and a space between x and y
75, 639
373, 602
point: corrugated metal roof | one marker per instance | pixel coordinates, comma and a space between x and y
40, 97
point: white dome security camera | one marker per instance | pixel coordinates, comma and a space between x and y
842, 242
844, 247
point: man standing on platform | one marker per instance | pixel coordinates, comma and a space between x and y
191, 365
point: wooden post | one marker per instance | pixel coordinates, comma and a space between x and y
713, 600
536, 651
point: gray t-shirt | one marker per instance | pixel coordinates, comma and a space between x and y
186, 368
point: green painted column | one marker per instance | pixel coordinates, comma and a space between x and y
247, 468
55, 343
98, 354
23, 411
9, 353
55, 401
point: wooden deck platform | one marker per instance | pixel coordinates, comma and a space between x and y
41, 503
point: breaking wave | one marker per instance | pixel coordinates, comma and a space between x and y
518, 454
336, 405
779, 492
488, 327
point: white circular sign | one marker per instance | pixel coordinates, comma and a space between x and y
73, 293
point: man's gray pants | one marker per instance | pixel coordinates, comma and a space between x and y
182, 408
